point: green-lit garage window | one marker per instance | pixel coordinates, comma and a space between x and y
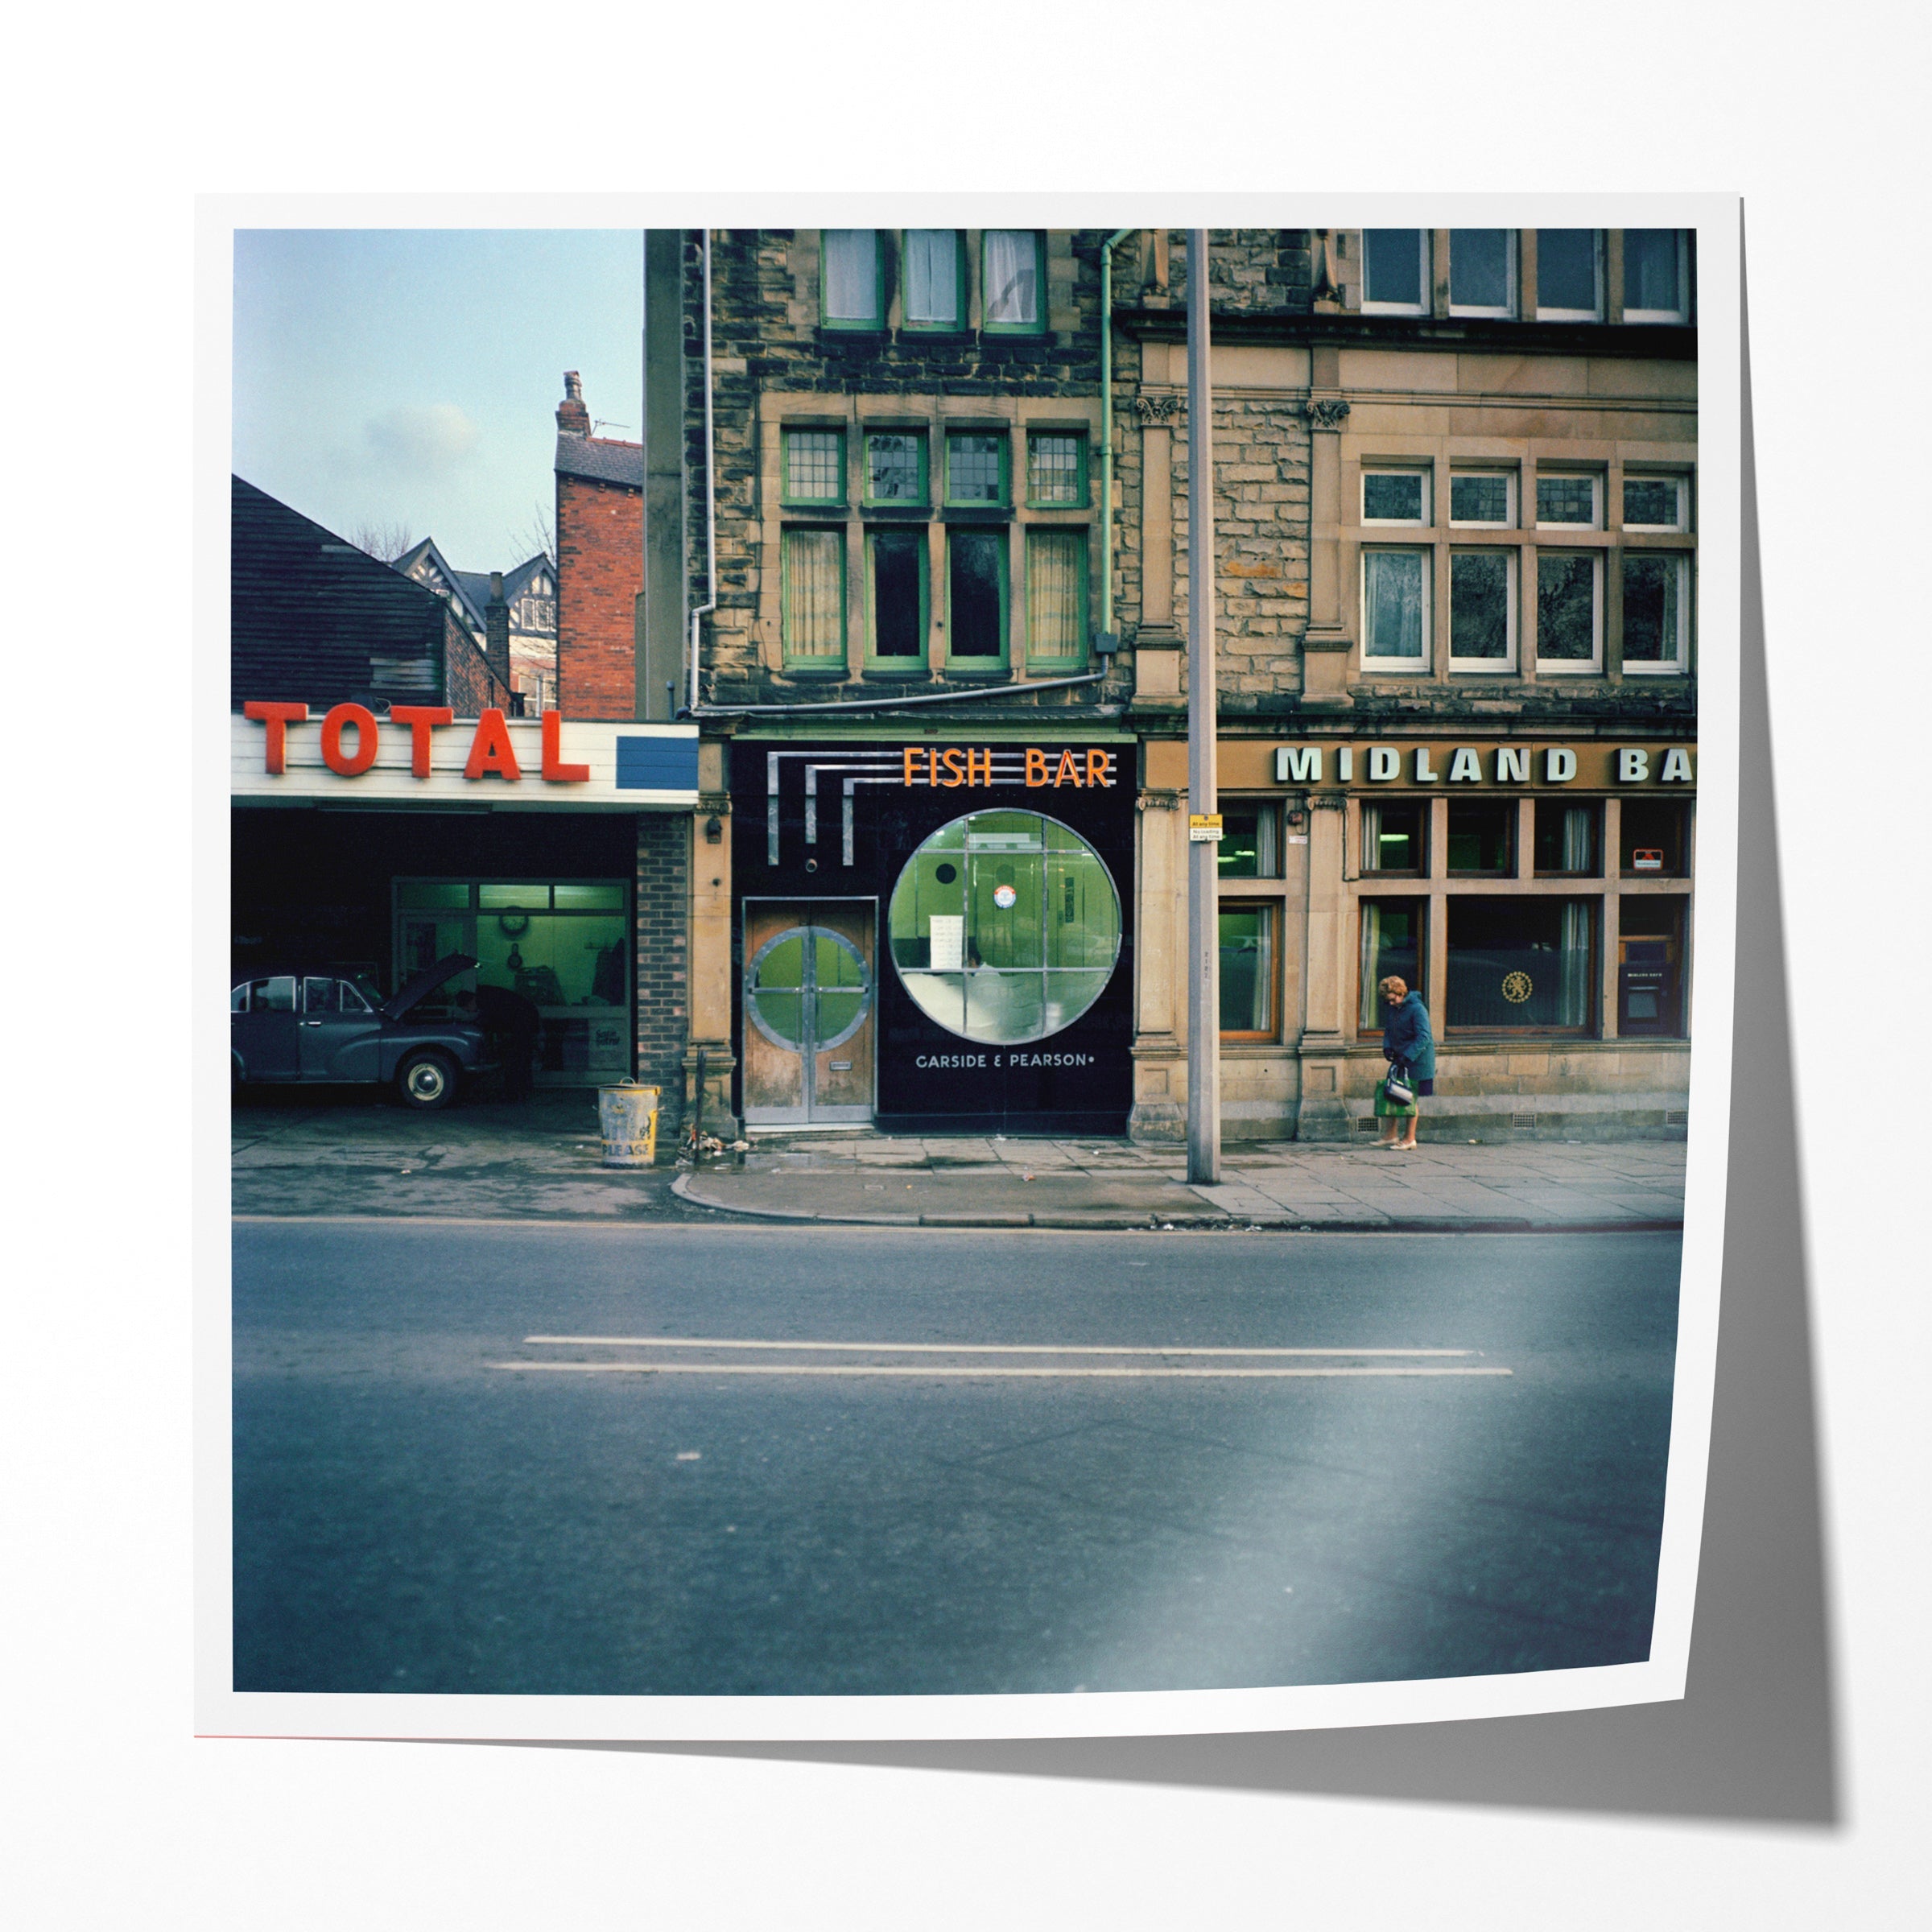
812, 589
1056, 597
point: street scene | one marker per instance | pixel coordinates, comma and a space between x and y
961, 961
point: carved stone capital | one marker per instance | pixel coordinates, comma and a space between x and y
1157, 408
1160, 801
1326, 412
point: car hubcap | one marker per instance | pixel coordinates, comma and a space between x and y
425, 1082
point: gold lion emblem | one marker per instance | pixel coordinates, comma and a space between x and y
1516, 988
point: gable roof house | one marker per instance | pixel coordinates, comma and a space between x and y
528, 595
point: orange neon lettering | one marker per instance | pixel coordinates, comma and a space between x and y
490, 750
1099, 767
1036, 767
553, 767
278, 718
906, 756
979, 766
422, 720
332, 756
1067, 773
956, 771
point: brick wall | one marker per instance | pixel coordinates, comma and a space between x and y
600, 572
663, 962
470, 687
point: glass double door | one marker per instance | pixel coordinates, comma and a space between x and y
809, 999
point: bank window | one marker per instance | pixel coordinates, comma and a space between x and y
976, 466
1569, 611
1391, 945
935, 279
1483, 499
896, 603
1251, 845
1395, 271
1656, 274
1248, 972
851, 284
1395, 496
895, 466
1482, 837
1652, 840
975, 598
1056, 469
1574, 502
1482, 609
1006, 926
1657, 611
1392, 834
1482, 271
811, 570
1520, 964
1657, 503
1566, 838
1013, 283
1569, 275
1056, 596
1395, 609
1650, 967
814, 466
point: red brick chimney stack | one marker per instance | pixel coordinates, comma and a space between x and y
496, 621
573, 418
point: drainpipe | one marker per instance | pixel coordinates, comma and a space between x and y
710, 499
1107, 248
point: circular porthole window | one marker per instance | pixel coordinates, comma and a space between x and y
1006, 926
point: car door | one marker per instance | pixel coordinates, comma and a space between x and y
340, 1037
261, 1027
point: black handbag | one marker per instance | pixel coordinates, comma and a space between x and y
1396, 1086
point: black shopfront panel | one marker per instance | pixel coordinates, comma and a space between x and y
1010, 1010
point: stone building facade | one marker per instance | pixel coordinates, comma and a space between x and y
1455, 520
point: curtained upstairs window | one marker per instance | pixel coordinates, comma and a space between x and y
1056, 595
814, 591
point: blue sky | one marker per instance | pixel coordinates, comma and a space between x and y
411, 376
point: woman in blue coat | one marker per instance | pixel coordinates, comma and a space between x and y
1406, 1042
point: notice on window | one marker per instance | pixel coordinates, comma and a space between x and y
948, 933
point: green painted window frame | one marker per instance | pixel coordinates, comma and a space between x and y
1037, 533
1006, 497
795, 660
1080, 499
1037, 326
957, 322
997, 664
914, 665
870, 324
924, 439
810, 429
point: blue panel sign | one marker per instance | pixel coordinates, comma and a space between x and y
657, 764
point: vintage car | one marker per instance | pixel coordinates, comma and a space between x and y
322, 1026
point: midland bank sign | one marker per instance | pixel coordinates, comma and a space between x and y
424, 754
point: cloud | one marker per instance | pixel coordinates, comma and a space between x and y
423, 441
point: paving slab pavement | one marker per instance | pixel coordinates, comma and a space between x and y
346, 1155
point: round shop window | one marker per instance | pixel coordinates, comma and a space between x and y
1006, 926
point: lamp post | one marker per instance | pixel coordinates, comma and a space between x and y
1204, 806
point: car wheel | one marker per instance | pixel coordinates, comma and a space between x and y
425, 1080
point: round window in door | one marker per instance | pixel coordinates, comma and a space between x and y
806, 989
1006, 926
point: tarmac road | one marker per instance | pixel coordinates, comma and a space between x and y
427, 1498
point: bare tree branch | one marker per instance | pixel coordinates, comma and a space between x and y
384, 540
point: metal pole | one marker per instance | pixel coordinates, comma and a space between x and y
1203, 925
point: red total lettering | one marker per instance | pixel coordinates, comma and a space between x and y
422, 720
490, 750
333, 755
553, 767
278, 718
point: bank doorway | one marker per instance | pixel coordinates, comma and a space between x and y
810, 998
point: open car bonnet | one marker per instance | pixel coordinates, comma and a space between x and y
426, 981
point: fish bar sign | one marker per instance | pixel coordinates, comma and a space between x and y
956, 766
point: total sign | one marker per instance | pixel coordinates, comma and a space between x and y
417, 754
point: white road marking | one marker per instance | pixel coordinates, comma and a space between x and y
668, 1341
855, 1368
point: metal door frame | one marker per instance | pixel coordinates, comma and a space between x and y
805, 1122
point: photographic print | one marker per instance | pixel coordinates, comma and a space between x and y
979, 977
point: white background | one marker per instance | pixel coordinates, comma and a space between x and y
117, 1816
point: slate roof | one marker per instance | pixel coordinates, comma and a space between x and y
600, 461
313, 618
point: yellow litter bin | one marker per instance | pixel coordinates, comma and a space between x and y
627, 1118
